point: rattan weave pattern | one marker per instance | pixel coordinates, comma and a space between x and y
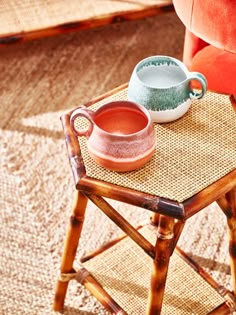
31, 15
192, 152
124, 270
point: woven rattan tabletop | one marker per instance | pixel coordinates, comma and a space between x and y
24, 19
192, 152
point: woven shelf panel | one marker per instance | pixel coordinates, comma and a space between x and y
31, 15
124, 270
192, 152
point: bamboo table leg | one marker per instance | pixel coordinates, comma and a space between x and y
178, 227
155, 219
231, 198
70, 247
163, 250
228, 205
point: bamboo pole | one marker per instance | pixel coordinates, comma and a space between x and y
73, 149
210, 194
233, 101
222, 309
94, 287
178, 227
231, 221
155, 219
70, 247
163, 249
227, 204
224, 206
133, 197
123, 224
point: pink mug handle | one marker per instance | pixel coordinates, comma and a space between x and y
86, 113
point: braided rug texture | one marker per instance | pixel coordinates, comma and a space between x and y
40, 80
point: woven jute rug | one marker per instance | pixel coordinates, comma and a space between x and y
40, 80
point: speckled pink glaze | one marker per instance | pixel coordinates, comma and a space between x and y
121, 135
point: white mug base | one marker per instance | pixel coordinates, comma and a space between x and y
170, 114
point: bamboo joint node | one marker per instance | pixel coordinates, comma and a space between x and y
168, 236
222, 290
230, 301
75, 161
79, 276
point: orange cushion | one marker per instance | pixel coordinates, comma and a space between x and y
219, 68
192, 44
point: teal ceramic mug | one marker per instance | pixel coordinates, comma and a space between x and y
162, 84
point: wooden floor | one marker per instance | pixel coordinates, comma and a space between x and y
27, 19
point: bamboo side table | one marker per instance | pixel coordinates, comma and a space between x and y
194, 165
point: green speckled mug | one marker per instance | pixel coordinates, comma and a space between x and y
162, 84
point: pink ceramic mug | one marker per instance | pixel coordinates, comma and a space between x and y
120, 135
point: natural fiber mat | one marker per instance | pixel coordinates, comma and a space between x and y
192, 152
20, 17
124, 270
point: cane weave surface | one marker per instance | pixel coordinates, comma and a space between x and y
192, 152
32, 15
124, 270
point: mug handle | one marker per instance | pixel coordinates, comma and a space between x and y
86, 113
202, 80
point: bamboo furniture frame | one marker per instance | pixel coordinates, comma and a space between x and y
58, 17
169, 217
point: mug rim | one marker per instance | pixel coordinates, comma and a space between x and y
125, 102
155, 57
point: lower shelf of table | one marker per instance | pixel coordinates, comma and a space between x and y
124, 271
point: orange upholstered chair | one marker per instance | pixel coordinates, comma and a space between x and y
210, 41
